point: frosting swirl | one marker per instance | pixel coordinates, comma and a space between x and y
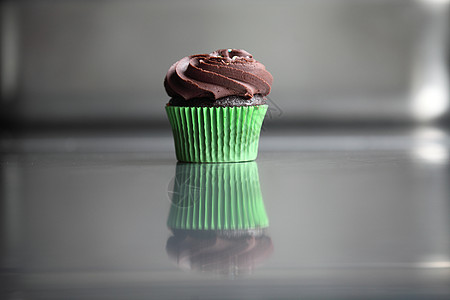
225, 72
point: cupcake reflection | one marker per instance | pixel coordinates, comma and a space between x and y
217, 218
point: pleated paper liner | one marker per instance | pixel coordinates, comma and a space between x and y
217, 197
216, 134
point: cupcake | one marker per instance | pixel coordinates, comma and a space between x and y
217, 105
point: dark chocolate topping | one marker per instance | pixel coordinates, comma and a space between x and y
222, 73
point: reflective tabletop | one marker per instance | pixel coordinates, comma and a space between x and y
350, 214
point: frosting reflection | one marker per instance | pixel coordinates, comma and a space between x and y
217, 218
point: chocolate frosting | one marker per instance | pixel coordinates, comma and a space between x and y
222, 73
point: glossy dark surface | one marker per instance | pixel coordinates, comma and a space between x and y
353, 215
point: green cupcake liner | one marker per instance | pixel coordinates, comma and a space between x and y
216, 134
217, 197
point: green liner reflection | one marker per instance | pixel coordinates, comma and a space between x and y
218, 218
220, 197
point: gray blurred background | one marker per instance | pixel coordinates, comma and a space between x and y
103, 62
354, 174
